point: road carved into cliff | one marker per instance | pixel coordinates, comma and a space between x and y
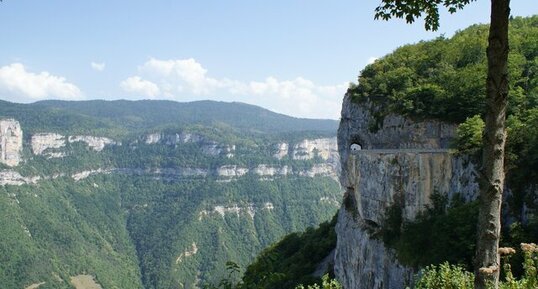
398, 151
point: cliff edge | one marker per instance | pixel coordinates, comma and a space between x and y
10, 142
401, 163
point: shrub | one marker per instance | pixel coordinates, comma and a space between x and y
446, 276
326, 283
469, 135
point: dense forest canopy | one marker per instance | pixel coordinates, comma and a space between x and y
444, 78
123, 118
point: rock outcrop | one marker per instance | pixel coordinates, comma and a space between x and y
403, 164
187, 253
84, 174
172, 138
208, 147
13, 178
216, 149
236, 209
281, 150
395, 132
269, 171
265, 170
224, 173
10, 142
153, 138
231, 171
52, 145
324, 147
48, 144
94, 142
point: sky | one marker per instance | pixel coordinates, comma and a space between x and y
295, 57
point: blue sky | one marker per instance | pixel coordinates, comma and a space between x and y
293, 57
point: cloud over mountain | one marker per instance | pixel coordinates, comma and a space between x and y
18, 84
186, 78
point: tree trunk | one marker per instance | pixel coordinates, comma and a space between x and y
492, 181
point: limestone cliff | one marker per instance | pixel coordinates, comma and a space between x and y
48, 144
173, 139
404, 162
281, 150
226, 173
54, 145
10, 142
307, 149
93, 142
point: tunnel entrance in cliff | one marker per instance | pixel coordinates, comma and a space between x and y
356, 144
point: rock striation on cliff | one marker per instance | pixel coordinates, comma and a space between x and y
10, 142
93, 142
48, 144
402, 163
307, 149
54, 145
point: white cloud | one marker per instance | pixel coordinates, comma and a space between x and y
187, 71
98, 66
19, 85
299, 97
186, 79
372, 59
138, 85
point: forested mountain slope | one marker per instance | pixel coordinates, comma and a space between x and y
122, 117
154, 194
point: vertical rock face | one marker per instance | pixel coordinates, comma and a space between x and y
231, 171
172, 138
94, 142
396, 132
306, 149
47, 144
281, 150
402, 163
10, 142
364, 262
152, 138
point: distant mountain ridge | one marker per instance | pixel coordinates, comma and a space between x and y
147, 114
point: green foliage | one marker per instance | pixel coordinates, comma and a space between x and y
292, 260
529, 280
233, 269
122, 118
172, 221
445, 276
64, 229
131, 229
123, 229
326, 283
442, 232
445, 78
392, 225
522, 150
289, 263
469, 135
230, 282
411, 10
159, 114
